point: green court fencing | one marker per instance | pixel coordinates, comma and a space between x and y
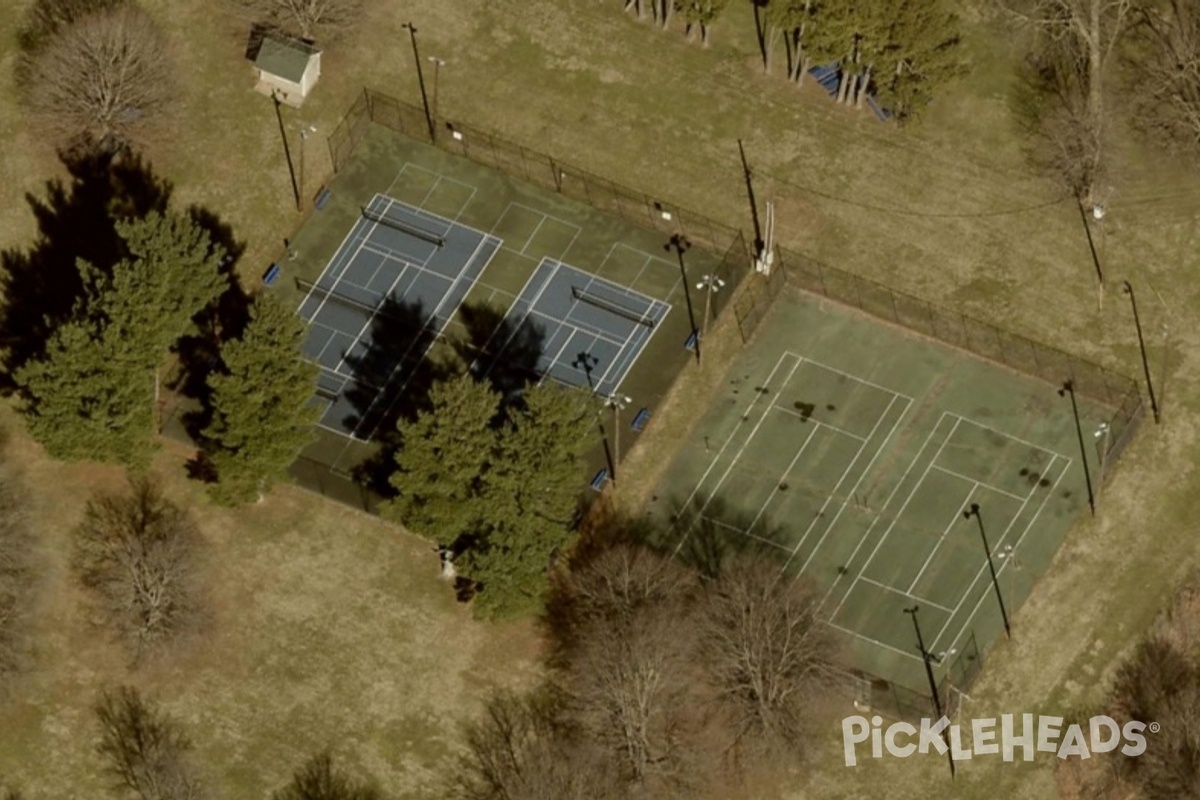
755, 300
539, 169
1113, 390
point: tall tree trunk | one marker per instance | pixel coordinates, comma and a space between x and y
760, 32
703, 35
689, 31
863, 87
789, 48
805, 66
667, 7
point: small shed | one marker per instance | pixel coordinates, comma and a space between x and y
287, 68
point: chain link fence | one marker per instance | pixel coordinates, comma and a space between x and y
539, 169
1110, 389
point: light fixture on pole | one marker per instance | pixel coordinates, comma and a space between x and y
679, 245
710, 284
1068, 389
412, 33
617, 402
929, 659
973, 511
1137, 321
305, 132
1101, 436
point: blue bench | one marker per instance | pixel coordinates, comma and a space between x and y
690, 344
639, 420
598, 481
322, 198
271, 275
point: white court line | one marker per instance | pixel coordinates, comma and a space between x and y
737, 456
629, 337
532, 302
437, 334
862, 476
912, 492
1017, 439
775, 487
734, 432
371, 319
337, 277
845, 433
857, 379
875, 642
982, 569
987, 486
954, 520
915, 597
536, 228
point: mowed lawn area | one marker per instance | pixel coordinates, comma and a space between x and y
328, 629
949, 210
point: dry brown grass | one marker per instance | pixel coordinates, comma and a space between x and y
948, 210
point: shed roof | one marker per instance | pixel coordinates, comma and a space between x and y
286, 58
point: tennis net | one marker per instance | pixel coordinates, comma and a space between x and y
334, 297
404, 227
583, 295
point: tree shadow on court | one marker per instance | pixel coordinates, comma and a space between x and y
706, 539
392, 381
76, 220
504, 355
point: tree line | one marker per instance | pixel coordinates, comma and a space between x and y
666, 680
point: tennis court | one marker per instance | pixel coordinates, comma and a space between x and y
850, 451
593, 330
395, 257
449, 266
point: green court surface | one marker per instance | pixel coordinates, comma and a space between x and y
533, 224
850, 450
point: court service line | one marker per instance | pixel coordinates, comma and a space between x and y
979, 572
845, 433
984, 485
862, 476
536, 228
738, 456
732, 434
1006, 435
437, 336
775, 486
873, 641
895, 519
628, 362
337, 278
857, 379
371, 319
955, 518
532, 303
915, 597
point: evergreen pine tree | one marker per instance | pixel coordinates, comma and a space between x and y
444, 459
91, 395
532, 497
263, 413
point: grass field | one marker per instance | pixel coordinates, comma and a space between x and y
949, 210
848, 451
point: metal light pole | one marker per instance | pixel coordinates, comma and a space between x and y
1101, 434
973, 511
933, 690
679, 244
617, 402
287, 150
1068, 388
711, 284
305, 132
437, 69
1128, 289
412, 33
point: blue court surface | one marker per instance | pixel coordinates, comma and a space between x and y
394, 284
589, 331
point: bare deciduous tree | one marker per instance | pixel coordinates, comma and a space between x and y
1077, 39
138, 552
104, 78
523, 749
319, 780
766, 650
306, 19
144, 750
622, 579
17, 587
45, 18
1164, 62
